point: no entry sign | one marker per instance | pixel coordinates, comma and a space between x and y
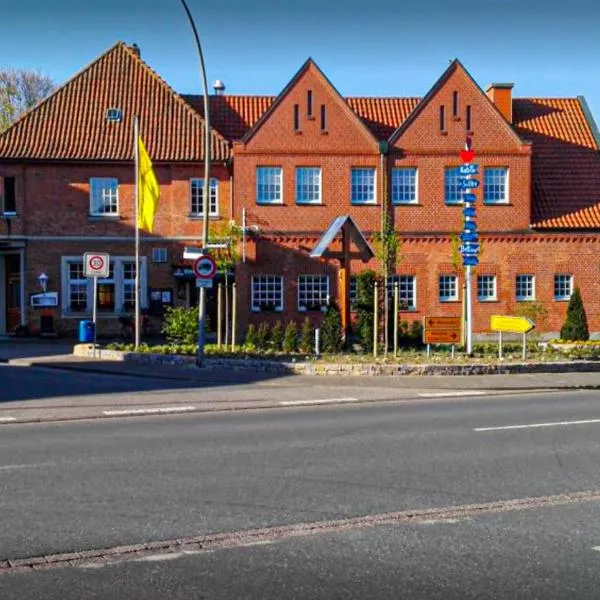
205, 267
96, 265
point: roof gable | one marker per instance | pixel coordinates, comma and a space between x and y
422, 128
276, 130
71, 124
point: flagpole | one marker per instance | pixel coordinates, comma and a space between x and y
136, 135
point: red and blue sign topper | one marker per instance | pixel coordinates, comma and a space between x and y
205, 267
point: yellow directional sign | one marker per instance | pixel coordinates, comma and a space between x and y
511, 324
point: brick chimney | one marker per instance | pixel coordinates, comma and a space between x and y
501, 95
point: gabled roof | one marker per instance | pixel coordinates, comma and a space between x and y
309, 64
346, 223
454, 66
566, 162
71, 124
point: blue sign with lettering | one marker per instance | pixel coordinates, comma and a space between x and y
470, 260
469, 236
469, 198
468, 184
469, 169
469, 248
469, 211
470, 226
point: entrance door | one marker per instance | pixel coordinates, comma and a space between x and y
12, 271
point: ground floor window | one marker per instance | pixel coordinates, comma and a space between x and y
115, 294
486, 287
267, 293
448, 288
313, 292
406, 291
525, 287
563, 286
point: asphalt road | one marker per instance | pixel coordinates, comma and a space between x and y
87, 485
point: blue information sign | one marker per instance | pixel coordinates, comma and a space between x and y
470, 260
469, 236
470, 226
469, 169
469, 248
468, 184
469, 211
469, 198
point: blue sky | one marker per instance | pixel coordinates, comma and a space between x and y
383, 48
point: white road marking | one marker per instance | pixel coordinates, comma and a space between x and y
449, 394
149, 411
535, 425
7, 419
322, 401
33, 466
596, 548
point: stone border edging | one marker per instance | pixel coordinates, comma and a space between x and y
359, 369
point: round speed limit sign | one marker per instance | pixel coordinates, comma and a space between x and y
96, 264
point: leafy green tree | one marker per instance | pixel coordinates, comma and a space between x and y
306, 337
290, 338
250, 340
262, 336
365, 295
331, 330
575, 327
20, 90
277, 336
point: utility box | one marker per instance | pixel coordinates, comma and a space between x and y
86, 331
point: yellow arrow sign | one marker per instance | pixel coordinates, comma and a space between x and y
511, 324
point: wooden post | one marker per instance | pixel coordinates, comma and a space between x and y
396, 308
219, 314
375, 318
233, 315
499, 345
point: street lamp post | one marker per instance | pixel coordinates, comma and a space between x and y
205, 203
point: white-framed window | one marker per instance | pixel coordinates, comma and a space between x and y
525, 287
495, 185
404, 185
159, 255
308, 185
269, 185
406, 291
104, 196
448, 288
363, 185
313, 292
452, 191
563, 286
115, 293
197, 197
486, 287
267, 293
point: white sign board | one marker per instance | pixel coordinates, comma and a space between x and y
96, 265
204, 283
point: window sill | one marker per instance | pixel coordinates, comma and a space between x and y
303, 203
353, 203
443, 133
310, 117
304, 309
561, 299
406, 204
8, 214
449, 301
196, 217
280, 203
104, 217
254, 309
503, 203
298, 132
488, 300
525, 299
324, 132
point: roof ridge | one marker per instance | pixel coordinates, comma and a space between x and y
62, 86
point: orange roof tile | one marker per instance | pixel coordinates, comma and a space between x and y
565, 163
71, 125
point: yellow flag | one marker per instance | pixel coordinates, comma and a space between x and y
149, 190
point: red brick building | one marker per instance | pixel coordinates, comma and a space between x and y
290, 165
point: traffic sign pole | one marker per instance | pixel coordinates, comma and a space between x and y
94, 310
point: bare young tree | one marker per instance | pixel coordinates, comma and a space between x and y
19, 91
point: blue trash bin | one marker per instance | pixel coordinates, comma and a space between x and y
86, 331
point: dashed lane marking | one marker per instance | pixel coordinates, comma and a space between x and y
148, 411
452, 394
537, 425
320, 401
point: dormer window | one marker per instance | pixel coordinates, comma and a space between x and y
114, 115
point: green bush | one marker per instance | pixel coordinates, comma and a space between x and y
290, 338
415, 334
331, 330
250, 336
180, 324
306, 337
365, 295
277, 336
262, 336
575, 327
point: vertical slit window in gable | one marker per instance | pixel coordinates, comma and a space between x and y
309, 98
296, 117
455, 104
8, 202
442, 119
468, 123
323, 118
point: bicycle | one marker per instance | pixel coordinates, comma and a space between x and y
128, 327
